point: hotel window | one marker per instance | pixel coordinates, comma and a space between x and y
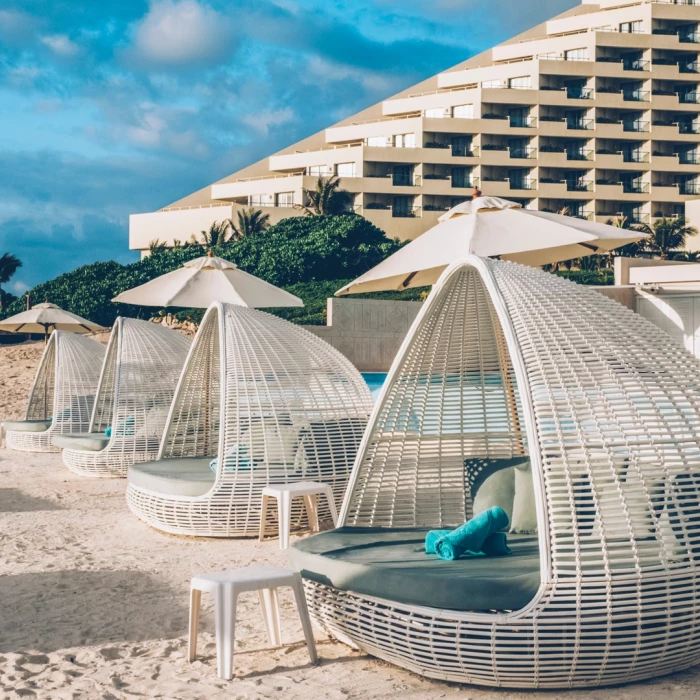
493, 84
631, 27
463, 112
320, 170
261, 200
345, 170
284, 199
576, 55
377, 141
520, 83
405, 140
436, 113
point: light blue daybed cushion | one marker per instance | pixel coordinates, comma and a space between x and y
392, 564
27, 426
189, 476
92, 442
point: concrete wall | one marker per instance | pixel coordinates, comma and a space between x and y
368, 332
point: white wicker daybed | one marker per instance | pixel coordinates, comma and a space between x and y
63, 393
271, 403
506, 362
138, 379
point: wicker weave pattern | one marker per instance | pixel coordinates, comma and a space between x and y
139, 375
608, 408
63, 389
288, 404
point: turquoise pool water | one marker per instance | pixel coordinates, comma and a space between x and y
375, 381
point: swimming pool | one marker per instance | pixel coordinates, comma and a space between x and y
375, 381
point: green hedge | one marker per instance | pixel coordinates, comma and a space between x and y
313, 252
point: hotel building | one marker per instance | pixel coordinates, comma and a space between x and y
596, 110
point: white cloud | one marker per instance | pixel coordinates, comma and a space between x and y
18, 287
262, 121
182, 33
330, 71
60, 44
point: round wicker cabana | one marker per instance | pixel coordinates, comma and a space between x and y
62, 395
261, 401
136, 386
506, 362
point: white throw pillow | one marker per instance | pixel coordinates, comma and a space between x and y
497, 490
524, 518
271, 442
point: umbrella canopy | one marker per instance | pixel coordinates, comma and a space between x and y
44, 317
490, 227
202, 281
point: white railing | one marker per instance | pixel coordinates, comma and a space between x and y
266, 177
196, 206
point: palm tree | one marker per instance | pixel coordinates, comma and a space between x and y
9, 264
250, 223
666, 235
631, 250
326, 198
156, 246
217, 234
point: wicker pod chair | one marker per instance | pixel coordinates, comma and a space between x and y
260, 401
63, 393
506, 362
137, 382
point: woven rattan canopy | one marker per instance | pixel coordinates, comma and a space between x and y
506, 360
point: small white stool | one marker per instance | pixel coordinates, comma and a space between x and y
284, 493
225, 587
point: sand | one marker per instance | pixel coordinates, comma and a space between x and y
93, 603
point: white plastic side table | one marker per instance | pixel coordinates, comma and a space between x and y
284, 493
225, 587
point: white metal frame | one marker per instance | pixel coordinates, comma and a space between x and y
611, 411
137, 382
63, 389
256, 382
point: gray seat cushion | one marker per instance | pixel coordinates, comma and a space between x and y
392, 564
92, 442
174, 477
27, 426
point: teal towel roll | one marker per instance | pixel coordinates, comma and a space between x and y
471, 536
495, 545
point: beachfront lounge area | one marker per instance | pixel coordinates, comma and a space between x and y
62, 396
260, 401
138, 378
605, 407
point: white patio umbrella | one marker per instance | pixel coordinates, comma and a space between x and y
202, 281
490, 227
42, 317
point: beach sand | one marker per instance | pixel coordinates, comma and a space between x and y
93, 603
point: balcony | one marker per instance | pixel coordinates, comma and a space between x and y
635, 95
689, 188
636, 64
465, 182
689, 37
465, 151
635, 156
579, 124
635, 187
692, 67
579, 185
504, 187
635, 125
688, 98
689, 158
579, 155
520, 152
579, 93
523, 122
405, 212
689, 128
405, 180
664, 193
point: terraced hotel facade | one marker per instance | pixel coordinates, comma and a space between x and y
596, 110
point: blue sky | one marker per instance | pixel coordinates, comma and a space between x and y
122, 106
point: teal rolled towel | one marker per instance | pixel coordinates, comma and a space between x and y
495, 545
471, 536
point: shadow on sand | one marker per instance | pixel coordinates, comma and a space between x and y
49, 611
16, 501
